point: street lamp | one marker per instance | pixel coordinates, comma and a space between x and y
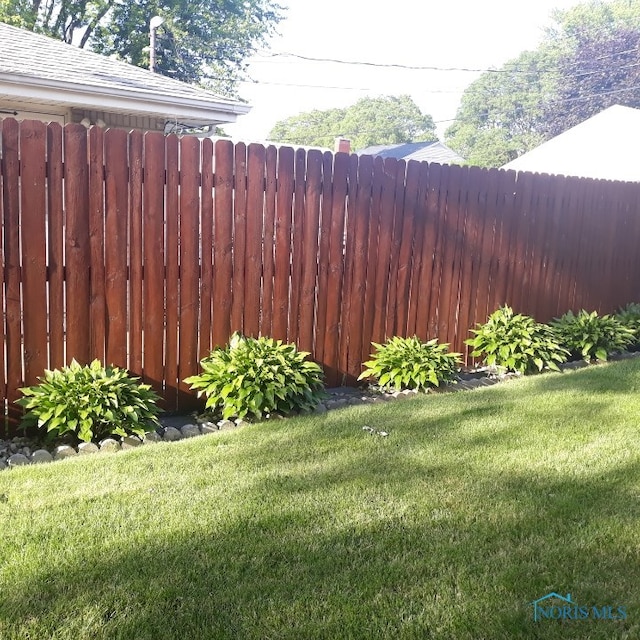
154, 23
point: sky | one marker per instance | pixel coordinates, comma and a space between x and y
460, 34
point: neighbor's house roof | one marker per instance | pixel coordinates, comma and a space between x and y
604, 146
39, 71
421, 151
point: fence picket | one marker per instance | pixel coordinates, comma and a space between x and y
136, 145
189, 268
56, 245
33, 136
77, 248
153, 290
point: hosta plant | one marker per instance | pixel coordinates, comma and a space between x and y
516, 342
629, 316
409, 363
90, 401
591, 336
253, 377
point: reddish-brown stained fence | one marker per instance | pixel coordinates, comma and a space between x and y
146, 251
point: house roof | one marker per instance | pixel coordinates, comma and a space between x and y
421, 151
43, 71
604, 146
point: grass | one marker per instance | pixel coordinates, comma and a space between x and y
476, 504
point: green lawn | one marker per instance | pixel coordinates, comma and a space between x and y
476, 504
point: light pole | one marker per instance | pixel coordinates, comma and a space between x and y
154, 23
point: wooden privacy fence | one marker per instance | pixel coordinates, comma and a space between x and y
146, 251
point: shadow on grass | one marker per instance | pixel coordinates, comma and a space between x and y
397, 538
291, 568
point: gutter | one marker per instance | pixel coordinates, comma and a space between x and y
123, 100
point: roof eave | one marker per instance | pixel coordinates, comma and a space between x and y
181, 108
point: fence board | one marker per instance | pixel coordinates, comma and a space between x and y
56, 245
116, 226
189, 267
136, 151
405, 256
206, 242
429, 242
77, 248
282, 269
297, 239
331, 360
470, 259
308, 276
239, 236
153, 290
349, 259
324, 256
386, 173
268, 266
396, 242
11, 212
501, 263
34, 249
357, 290
372, 257
172, 284
538, 248
223, 243
254, 230
418, 257
550, 303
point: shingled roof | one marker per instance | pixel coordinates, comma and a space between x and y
421, 151
38, 70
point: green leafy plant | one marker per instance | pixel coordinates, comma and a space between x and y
516, 342
629, 316
409, 363
90, 401
253, 377
589, 335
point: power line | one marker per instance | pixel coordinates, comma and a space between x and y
507, 67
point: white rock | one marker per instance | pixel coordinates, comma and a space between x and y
241, 423
64, 451
171, 434
40, 456
85, 448
109, 445
226, 424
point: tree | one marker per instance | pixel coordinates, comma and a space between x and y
500, 114
603, 70
370, 121
203, 41
588, 60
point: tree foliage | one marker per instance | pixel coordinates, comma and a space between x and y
588, 60
370, 121
200, 41
500, 114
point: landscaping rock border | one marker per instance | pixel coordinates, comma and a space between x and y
20, 451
